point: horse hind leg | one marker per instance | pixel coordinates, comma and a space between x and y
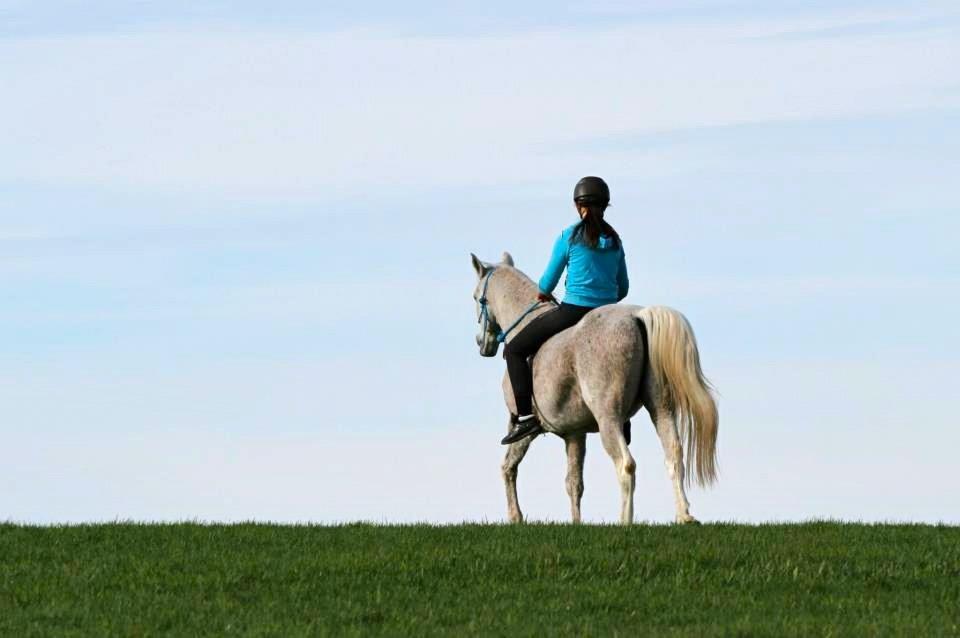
666, 426
576, 451
515, 453
611, 434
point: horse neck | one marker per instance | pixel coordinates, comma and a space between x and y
513, 297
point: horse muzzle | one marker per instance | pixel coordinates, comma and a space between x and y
487, 350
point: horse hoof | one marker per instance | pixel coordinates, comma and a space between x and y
687, 520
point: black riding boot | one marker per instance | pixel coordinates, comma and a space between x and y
523, 427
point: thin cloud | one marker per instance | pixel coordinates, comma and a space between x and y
276, 114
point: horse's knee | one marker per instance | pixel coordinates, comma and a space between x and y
627, 471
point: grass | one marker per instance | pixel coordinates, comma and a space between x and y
807, 579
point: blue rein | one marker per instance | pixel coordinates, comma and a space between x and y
485, 314
502, 335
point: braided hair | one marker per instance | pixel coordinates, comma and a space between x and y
593, 225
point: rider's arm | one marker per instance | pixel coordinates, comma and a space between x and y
558, 261
623, 282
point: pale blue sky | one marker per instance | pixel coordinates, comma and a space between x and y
234, 249
23, 17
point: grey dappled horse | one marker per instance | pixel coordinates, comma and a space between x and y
595, 376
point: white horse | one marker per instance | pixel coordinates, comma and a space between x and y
595, 376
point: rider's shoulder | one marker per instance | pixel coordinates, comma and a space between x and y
567, 232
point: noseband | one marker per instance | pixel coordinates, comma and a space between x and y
484, 319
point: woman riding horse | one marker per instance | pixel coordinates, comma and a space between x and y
592, 253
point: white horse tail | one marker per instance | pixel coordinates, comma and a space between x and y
675, 363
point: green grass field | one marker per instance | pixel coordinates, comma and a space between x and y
809, 579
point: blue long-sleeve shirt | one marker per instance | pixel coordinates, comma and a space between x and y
595, 277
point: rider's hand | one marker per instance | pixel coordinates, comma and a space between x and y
545, 297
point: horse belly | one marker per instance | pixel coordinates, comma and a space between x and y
556, 388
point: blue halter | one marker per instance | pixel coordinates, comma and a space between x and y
485, 320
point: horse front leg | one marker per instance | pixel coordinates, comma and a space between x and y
576, 451
515, 453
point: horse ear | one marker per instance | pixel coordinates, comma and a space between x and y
507, 259
479, 266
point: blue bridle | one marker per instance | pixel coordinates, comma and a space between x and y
484, 318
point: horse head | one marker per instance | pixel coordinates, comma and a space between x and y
486, 316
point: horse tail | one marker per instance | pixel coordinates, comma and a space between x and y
674, 361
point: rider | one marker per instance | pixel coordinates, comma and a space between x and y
593, 255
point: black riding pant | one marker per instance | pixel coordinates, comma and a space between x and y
528, 341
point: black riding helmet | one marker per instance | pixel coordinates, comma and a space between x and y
591, 190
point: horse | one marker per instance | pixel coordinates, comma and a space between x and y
595, 376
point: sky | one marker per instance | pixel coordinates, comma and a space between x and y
234, 250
